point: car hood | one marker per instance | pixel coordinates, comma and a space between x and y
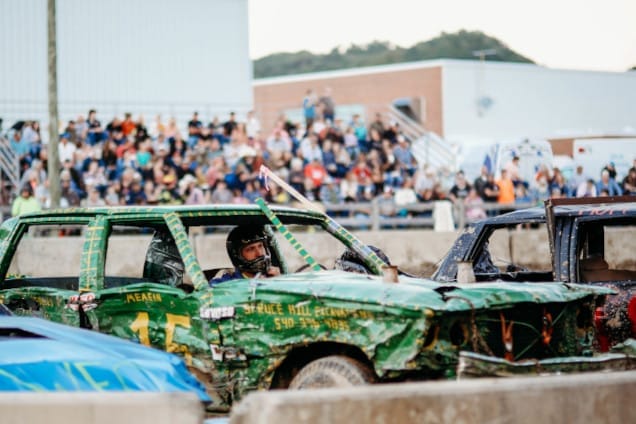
38, 355
413, 293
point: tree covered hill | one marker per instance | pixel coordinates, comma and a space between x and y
459, 45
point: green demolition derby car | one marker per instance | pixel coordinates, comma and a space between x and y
143, 274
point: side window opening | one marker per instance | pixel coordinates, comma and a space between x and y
163, 262
602, 255
138, 254
320, 245
211, 250
508, 254
36, 259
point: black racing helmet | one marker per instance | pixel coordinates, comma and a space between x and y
352, 262
240, 237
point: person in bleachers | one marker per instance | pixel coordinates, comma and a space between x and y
608, 183
459, 191
587, 189
629, 182
506, 188
358, 169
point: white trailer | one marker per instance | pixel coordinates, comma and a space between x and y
594, 153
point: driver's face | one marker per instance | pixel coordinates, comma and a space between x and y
253, 251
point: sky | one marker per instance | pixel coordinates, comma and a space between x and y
597, 35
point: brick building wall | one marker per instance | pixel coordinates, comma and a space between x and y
375, 91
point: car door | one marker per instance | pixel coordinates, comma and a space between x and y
600, 254
128, 296
41, 267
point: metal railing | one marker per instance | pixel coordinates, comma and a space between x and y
9, 168
426, 146
360, 216
367, 215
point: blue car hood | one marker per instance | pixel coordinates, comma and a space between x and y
38, 355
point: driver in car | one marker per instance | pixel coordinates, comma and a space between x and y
248, 247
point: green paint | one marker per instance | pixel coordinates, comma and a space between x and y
237, 334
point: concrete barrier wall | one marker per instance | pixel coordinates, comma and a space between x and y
415, 251
581, 398
100, 408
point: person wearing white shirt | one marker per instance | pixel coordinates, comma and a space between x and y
405, 196
310, 149
252, 126
66, 149
586, 189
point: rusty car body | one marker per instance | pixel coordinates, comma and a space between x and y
277, 332
584, 239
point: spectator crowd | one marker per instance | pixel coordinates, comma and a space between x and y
327, 158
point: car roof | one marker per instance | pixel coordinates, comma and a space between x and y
521, 215
613, 209
225, 212
577, 208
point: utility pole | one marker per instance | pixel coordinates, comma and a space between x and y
53, 157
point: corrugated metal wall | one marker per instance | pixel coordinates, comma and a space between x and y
142, 56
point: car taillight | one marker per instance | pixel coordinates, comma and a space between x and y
601, 333
631, 314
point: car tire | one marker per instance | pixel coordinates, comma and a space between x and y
332, 371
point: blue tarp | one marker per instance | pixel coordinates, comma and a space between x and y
38, 355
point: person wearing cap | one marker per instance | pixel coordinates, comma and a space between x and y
188, 189
611, 169
25, 202
168, 193
248, 247
136, 194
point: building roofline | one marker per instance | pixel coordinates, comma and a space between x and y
350, 72
408, 66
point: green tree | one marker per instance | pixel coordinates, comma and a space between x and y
459, 45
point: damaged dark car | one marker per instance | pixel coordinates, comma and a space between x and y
589, 241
